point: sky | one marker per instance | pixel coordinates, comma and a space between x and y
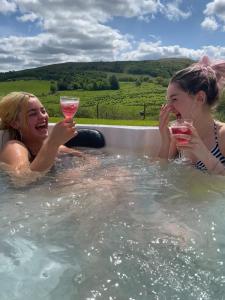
36, 33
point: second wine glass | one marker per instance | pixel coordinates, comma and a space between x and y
69, 106
179, 126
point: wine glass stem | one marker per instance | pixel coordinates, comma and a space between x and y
181, 155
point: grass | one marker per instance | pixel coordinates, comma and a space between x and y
38, 87
111, 107
110, 122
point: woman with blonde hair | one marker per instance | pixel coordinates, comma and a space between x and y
31, 149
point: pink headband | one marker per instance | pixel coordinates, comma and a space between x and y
217, 66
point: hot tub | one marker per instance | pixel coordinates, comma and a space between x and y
127, 227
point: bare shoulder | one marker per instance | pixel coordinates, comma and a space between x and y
221, 135
14, 152
13, 144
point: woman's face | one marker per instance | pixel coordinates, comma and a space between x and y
181, 103
37, 119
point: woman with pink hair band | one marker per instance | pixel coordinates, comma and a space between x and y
192, 93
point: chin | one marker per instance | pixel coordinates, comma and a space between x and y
41, 135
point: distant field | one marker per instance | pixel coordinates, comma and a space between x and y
82, 121
37, 87
127, 103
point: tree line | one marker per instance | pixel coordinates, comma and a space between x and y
90, 81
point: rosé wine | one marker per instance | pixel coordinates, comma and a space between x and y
69, 106
181, 129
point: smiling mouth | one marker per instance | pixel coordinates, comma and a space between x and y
42, 126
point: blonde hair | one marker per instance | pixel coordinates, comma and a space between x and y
10, 107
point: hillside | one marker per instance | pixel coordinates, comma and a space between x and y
153, 68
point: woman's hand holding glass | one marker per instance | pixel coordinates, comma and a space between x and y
195, 145
190, 144
62, 132
69, 107
181, 130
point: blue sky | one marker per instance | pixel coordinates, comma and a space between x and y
40, 32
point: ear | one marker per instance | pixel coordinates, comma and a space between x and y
201, 97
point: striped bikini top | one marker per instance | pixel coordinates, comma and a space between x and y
215, 151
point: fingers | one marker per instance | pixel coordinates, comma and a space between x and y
165, 111
68, 121
165, 108
70, 125
182, 140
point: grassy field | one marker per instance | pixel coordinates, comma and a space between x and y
109, 121
38, 87
113, 107
124, 106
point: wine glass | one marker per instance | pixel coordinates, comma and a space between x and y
69, 106
179, 126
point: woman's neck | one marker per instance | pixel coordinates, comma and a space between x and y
204, 124
33, 146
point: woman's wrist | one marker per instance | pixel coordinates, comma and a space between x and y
51, 141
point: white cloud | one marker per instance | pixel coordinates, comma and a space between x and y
210, 23
101, 10
76, 30
216, 7
174, 13
7, 6
28, 17
215, 15
145, 51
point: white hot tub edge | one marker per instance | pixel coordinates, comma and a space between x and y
131, 138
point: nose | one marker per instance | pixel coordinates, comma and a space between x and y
169, 103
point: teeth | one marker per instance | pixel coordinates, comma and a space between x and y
41, 125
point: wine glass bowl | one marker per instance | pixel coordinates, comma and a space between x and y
179, 126
69, 106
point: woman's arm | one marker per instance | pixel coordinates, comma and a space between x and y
60, 134
200, 152
214, 165
66, 150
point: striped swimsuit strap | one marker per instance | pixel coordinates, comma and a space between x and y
215, 152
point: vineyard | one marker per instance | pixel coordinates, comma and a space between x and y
129, 102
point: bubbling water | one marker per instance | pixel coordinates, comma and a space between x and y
127, 228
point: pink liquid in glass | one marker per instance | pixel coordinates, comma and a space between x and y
69, 108
181, 130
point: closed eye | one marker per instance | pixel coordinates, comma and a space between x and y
31, 114
171, 100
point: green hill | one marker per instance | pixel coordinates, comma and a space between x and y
154, 68
139, 93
